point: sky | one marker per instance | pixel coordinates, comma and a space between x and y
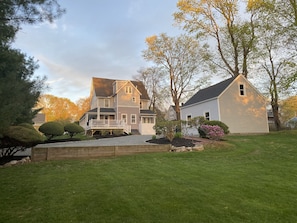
95, 38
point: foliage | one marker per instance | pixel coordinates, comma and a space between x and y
233, 36
167, 128
218, 123
289, 108
19, 90
18, 138
117, 132
238, 180
214, 132
62, 109
73, 129
51, 129
178, 57
178, 135
196, 122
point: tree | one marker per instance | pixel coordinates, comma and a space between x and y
276, 56
234, 38
19, 91
14, 13
62, 109
58, 109
153, 80
179, 58
289, 108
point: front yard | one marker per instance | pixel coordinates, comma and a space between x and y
244, 179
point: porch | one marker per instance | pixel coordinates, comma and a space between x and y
95, 125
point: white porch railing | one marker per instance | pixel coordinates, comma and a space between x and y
108, 124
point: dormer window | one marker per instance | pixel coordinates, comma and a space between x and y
128, 90
241, 90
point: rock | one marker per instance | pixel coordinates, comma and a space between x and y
198, 148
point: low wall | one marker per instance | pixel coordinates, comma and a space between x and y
64, 153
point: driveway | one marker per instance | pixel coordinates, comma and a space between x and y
117, 141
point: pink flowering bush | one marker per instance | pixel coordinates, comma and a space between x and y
214, 132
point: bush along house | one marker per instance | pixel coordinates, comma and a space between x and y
118, 106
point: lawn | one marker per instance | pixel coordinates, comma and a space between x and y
245, 179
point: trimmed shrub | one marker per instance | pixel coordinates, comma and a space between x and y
51, 129
218, 123
18, 138
73, 128
214, 132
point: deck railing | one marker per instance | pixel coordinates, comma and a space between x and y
108, 124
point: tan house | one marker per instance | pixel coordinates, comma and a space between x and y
235, 101
118, 105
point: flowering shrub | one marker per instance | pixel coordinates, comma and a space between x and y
214, 132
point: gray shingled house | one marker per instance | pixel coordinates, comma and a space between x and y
118, 105
235, 101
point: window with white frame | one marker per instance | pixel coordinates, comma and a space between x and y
241, 90
128, 90
207, 116
133, 118
124, 118
133, 99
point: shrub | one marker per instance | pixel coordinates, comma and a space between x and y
178, 135
154, 137
51, 129
219, 123
214, 132
117, 132
17, 138
104, 132
73, 128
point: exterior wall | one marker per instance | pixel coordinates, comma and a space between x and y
128, 111
93, 100
171, 114
126, 99
110, 102
199, 110
243, 114
145, 104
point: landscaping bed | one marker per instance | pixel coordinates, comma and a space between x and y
176, 142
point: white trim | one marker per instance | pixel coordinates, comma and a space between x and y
125, 120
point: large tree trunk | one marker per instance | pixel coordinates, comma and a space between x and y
275, 112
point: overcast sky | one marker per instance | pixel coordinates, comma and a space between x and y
95, 38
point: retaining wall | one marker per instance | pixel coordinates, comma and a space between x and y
64, 153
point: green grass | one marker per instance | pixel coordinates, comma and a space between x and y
247, 179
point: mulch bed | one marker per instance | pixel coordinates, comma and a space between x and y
177, 142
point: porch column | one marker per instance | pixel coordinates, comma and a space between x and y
98, 110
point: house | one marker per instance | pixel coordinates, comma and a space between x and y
38, 120
292, 123
171, 114
235, 101
118, 105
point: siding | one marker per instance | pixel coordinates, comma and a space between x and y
243, 114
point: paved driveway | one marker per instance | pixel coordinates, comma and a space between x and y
117, 141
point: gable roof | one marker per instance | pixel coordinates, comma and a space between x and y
209, 92
104, 87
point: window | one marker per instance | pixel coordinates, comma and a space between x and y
140, 105
128, 90
148, 120
124, 118
133, 99
133, 119
189, 117
241, 90
206, 115
106, 103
